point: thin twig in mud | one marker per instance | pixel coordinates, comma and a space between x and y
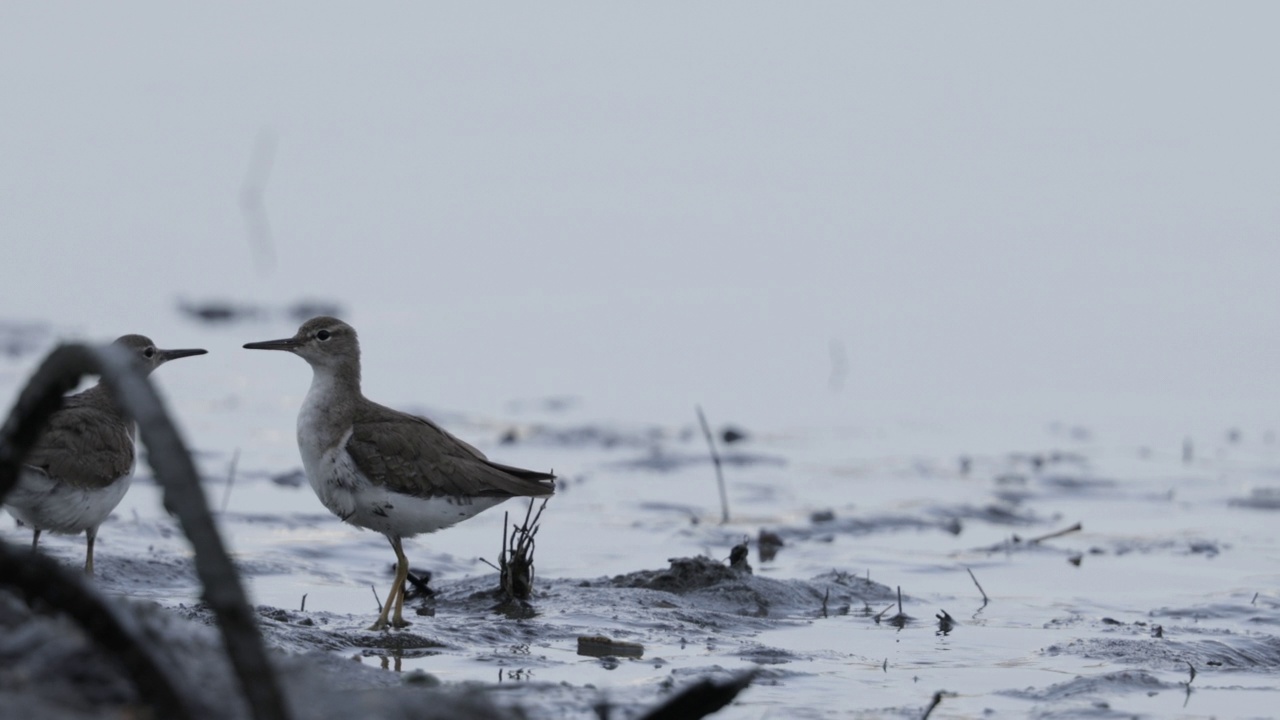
826, 596
1059, 533
1254, 601
715, 459
304, 603
985, 600
901, 619
231, 480
882, 612
1193, 672
937, 700
376, 599
515, 562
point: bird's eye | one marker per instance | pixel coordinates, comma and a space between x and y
149, 352
322, 335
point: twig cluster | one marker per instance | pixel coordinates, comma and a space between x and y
515, 562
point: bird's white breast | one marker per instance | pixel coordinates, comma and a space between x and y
322, 440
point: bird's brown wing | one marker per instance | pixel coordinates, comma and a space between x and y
83, 445
414, 456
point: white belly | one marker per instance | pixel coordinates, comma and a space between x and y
47, 504
347, 493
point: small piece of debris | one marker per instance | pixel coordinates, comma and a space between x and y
738, 558
601, 646
822, 516
767, 545
293, 478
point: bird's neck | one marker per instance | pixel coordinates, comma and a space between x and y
329, 408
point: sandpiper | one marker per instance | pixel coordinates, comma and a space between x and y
384, 470
82, 464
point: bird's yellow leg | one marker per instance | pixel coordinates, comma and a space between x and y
402, 577
402, 569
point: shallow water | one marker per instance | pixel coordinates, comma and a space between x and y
1188, 547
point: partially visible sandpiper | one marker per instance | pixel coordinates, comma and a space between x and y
82, 464
382, 469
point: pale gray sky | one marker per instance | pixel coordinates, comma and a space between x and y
1044, 207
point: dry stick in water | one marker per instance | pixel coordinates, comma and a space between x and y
1065, 531
231, 480
168, 456
715, 458
985, 600
880, 614
501, 553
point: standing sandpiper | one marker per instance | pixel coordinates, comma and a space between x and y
82, 464
382, 469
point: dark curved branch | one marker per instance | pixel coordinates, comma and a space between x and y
169, 458
701, 698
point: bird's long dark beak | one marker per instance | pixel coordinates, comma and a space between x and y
286, 344
167, 355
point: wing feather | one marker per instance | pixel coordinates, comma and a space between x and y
414, 456
84, 445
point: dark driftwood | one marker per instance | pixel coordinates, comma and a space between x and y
168, 456
701, 698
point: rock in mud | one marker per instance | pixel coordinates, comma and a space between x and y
716, 587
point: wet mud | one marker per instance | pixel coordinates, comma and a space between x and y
1078, 582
